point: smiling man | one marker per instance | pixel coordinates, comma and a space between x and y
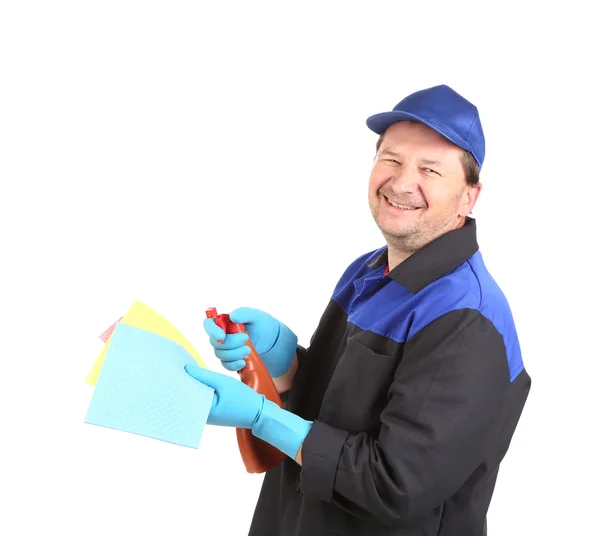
398, 414
418, 188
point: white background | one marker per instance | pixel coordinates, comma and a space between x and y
194, 154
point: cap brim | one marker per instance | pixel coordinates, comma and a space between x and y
378, 123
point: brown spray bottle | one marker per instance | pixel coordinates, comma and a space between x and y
258, 456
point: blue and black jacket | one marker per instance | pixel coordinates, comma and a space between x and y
415, 382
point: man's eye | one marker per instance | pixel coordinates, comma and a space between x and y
429, 170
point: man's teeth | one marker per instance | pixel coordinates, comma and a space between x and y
403, 207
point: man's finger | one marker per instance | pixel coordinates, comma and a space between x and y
212, 329
234, 340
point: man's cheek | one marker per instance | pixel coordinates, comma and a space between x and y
376, 183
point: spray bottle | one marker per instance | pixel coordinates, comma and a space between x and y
257, 455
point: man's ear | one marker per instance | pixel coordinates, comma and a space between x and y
471, 195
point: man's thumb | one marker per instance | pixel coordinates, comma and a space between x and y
205, 376
246, 315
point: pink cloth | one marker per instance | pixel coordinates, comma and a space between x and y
108, 331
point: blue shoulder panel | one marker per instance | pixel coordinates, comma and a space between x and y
378, 304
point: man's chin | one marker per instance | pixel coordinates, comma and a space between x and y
398, 232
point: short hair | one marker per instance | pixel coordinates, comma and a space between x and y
470, 165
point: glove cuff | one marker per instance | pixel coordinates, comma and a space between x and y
281, 428
281, 354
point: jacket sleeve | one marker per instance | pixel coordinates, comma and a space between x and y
443, 407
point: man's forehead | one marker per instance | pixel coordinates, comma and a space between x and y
412, 130
417, 138
425, 154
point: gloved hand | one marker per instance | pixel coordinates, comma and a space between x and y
237, 405
273, 340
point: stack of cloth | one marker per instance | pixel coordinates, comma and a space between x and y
141, 385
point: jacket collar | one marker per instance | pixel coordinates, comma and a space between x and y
435, 259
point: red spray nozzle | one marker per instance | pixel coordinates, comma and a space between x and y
220, 320
224, 322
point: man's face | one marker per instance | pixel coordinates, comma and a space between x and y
417, 188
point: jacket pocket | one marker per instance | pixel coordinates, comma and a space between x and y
358, 390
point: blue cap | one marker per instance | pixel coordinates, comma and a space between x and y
442, 109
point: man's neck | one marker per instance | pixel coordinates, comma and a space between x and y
395, 257
397, 254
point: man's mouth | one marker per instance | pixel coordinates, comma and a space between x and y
399, 206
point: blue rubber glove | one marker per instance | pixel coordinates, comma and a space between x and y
237, 405
273, 340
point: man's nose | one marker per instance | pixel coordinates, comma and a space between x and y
405, 180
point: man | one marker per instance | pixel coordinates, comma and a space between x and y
398, 414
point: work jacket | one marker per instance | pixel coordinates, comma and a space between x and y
415, 382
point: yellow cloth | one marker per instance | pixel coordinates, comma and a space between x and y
142, 317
